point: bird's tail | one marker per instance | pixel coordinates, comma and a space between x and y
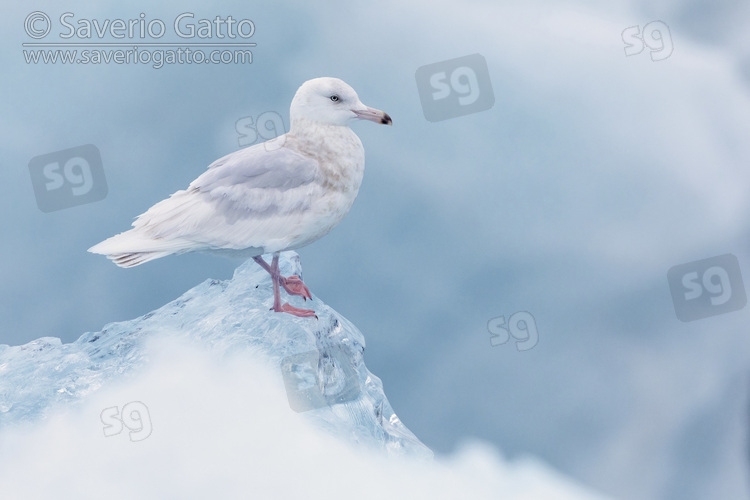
130, 249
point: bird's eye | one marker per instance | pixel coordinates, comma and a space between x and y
334, 98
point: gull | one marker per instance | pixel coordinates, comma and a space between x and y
274, 196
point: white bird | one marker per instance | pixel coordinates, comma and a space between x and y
279, 195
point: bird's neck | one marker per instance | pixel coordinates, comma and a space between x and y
321, 139
300, 127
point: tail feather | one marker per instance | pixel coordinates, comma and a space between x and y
158, 232
131, 248
133, 259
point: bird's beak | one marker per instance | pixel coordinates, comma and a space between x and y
374, 115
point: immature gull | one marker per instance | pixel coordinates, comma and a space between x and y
279, 195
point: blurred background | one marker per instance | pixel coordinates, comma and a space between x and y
588, 150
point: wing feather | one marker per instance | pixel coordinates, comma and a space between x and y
253, 197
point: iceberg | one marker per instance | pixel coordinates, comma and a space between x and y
215, 396
321, 361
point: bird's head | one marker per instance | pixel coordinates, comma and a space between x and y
331, 101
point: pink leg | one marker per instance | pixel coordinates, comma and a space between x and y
293, 286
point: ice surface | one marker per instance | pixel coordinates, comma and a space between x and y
320, 361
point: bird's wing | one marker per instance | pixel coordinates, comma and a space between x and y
247, 198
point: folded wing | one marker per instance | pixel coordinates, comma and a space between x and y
254, 197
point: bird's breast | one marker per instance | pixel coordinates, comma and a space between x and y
341, 162
339, 153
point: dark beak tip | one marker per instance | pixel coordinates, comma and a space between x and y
386, 119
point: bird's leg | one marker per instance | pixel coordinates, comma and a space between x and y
262, 263
293, 285
279, 279
275, 281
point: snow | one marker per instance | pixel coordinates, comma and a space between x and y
214, 396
